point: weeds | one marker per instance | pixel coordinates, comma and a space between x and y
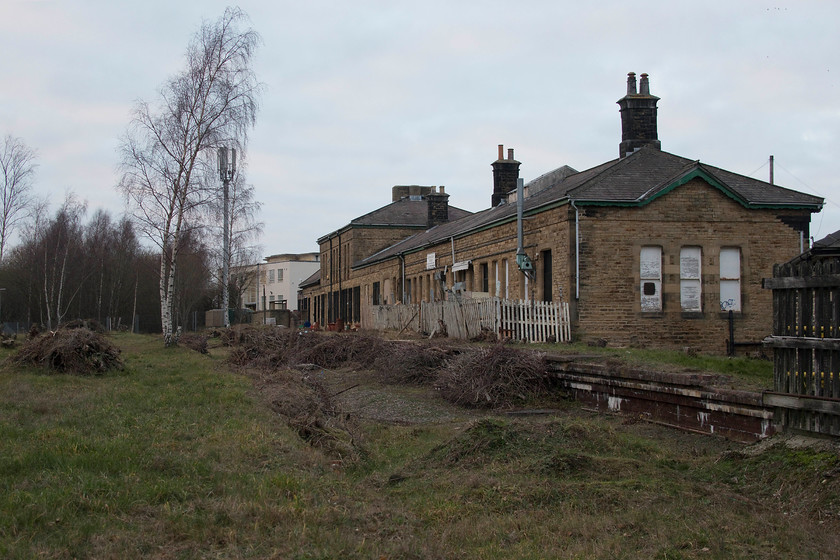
179, 459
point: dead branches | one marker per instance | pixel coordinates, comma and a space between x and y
498, 376
77, 350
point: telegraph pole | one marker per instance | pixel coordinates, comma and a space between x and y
227, 167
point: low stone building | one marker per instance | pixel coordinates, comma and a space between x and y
649, 249
335, 292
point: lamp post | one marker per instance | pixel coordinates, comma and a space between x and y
1, 309
227, 167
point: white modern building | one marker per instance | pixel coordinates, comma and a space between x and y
273, 284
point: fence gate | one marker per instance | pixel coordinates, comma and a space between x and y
806, 345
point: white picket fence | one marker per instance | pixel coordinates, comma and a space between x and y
531, 321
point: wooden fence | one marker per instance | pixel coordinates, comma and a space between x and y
806, 345
537, 321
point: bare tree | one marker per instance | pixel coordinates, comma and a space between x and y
61, 246
212, 102
17, 163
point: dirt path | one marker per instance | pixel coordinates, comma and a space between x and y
362, 395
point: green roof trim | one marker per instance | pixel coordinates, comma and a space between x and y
696, 173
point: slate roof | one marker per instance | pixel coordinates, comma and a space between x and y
634, 180
830, 241
406, 212
314, 279
828, 246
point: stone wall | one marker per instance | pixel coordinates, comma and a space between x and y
694, 215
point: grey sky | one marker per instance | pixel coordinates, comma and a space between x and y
364, 95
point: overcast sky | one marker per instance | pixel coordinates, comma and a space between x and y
364, 95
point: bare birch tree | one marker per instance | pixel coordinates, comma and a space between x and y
212, 102
61, 247
17, 165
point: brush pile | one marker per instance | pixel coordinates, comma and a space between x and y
286, 364
495, 377
195, 342
76, 350
410, 363
270, 348
305, 404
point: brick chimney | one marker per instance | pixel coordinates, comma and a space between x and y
505, 174
438, 205
638, 117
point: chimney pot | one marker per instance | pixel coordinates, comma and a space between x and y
510, 153
501, 151
441, 190
631, 83
644, 85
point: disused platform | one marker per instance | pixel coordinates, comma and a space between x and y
686, 400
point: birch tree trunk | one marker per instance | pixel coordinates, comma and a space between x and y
167, 148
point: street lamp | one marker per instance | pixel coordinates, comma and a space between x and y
1, 309
227, 167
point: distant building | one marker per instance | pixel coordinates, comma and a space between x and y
274, 283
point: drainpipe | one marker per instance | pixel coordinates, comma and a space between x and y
452, 242
340, 293
402, 263
519, 204
577, 250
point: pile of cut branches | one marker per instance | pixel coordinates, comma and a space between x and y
495, 377
270, 347
410, 363
76, 350
340, 350
261, 346
197, 342
305, 404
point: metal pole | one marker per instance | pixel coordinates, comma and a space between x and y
226, 256
226, 171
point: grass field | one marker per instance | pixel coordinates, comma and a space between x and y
178, 457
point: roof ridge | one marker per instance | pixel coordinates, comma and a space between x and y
607, 166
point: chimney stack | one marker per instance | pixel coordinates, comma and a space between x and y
505, 174
638, 117
438, 207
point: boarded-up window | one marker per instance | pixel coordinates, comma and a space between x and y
730, 279
650, 276
690, 287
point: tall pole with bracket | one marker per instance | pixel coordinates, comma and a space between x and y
227, 168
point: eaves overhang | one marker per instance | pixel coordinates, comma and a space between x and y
549, 205
348, 227
697, 173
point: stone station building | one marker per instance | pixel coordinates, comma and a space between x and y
648, 249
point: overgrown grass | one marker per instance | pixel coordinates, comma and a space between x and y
176, 457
